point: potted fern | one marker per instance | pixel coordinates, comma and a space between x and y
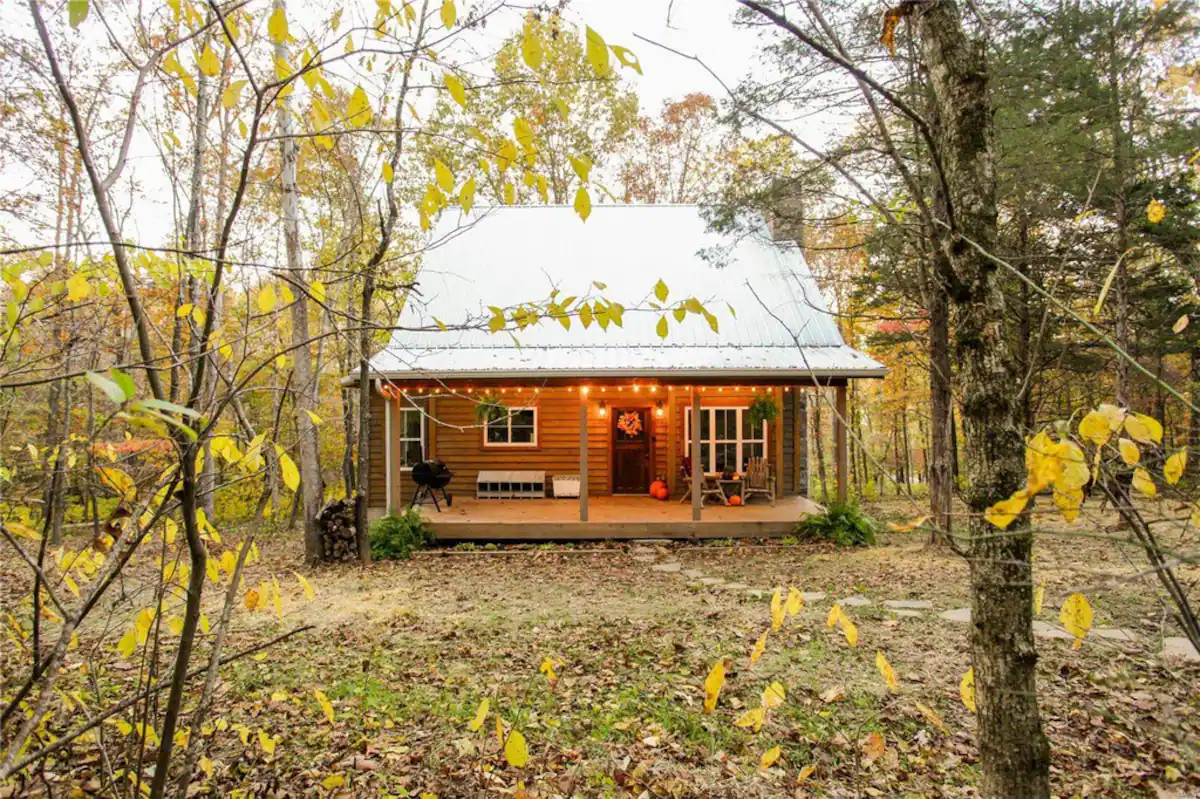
489, 408
762, 409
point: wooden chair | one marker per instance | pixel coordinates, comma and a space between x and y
758, 480
707, 489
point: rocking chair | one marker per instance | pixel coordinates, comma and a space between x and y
707, 488
759, 480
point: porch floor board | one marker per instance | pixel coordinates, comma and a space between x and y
611, 518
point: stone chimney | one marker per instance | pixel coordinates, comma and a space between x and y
785, 214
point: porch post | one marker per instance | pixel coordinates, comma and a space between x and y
840, 447
583, 456
697, 469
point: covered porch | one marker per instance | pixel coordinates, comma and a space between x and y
615, 517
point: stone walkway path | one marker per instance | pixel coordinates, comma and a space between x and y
667, 562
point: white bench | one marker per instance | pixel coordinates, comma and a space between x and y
496, 484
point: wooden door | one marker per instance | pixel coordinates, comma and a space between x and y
631, 450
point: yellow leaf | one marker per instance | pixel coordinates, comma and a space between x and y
389, 174
932, 717
120, 482
208, 62
713, 684
466, 195
1076, 617
266, 299
206, 766
326, 705
266, 742
752, 718
760, 646
1004, 512
358, 109
966, 689
1173, 468
445, 177
128, 643
1143, 428
583, 203
885, 668
547, 668
288, 471
769, 757
773, 696
1129, 451
78, 287
626, 57
805, 772
252, 599
1143, 483
597, 53
333, 781
835, 614
1155, 212
777, 612
449, 13
308, 589
277, 25
233, 93
794, 602
176, 625
848, 629
1094, 428
531, 47
481, 714
662, 329
516, 752
1180, 324
582, 166
455, 86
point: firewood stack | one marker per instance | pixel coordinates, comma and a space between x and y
338, 538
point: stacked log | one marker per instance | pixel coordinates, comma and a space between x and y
339, 541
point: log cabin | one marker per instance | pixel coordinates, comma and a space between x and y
558, 368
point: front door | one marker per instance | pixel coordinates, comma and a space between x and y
631, 450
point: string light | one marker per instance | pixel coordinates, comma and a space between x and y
583, 390
658, 409
603, 408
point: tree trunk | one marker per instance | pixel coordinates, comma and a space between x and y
312, 485
818, 439
1013, 749
941, 417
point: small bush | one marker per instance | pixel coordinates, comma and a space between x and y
397, 537
843, 523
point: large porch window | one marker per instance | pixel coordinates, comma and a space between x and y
516, 428
727, 438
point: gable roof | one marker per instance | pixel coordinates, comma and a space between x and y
509, 255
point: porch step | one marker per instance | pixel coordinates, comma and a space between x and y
510, 485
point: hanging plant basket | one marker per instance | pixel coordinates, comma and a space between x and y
489, 409
763, 409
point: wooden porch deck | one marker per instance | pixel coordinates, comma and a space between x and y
611, 517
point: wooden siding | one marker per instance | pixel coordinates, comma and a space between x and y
453, 435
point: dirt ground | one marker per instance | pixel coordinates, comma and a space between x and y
406, 652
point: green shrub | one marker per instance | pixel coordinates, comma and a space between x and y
397, 537
843, 523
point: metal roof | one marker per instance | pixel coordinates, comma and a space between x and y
772, 319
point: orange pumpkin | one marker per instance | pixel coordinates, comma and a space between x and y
735, 500
657, 484
662, 492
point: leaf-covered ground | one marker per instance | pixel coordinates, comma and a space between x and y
406, 652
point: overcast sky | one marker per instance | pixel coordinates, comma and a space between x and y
701, 27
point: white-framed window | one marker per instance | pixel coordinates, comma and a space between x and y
410, 429
516, 428
727, 438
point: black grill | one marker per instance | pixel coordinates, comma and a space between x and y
429, 477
